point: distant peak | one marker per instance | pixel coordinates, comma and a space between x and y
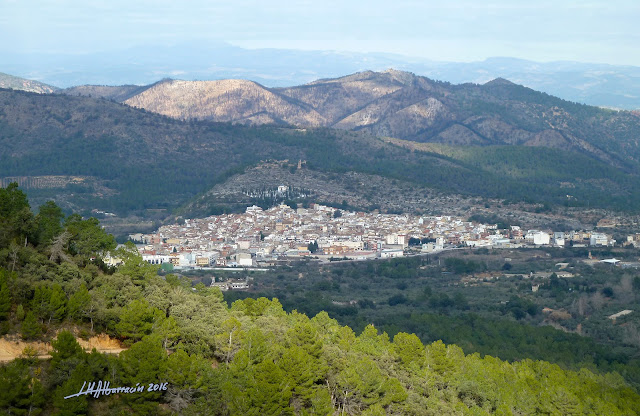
500, 81
164, 81
402, 76
398, 72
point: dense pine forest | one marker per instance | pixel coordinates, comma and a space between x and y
250, 357
476, 300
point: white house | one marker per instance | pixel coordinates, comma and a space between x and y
156, 258
253, 209
390, 253
244, 260
598, 239
430, 247
499, 241
239, 285
537, 237
558, 239
395, 238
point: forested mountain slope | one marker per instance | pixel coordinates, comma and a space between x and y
405, 106
119, 158
190, 353
119, 93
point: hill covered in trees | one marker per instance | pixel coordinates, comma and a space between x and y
405, 106
116, 158
191, 353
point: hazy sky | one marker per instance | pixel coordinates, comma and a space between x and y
467, 30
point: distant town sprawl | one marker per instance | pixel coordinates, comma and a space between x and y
260, 238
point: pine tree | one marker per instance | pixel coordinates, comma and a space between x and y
78, 302
16, 220
75, 405
57, 303
168, 331
20, 313
302, 370
145, 362
49, 222
5, 299
184, 374
269, 390
229, 340
136, 319
408, 347
21, 394
40, 303
65, 347
88, 238
30, 327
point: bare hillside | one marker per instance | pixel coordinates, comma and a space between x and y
229, 100
16, 83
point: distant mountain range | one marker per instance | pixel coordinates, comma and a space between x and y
401, 105
498, 140
593, 84
17, 83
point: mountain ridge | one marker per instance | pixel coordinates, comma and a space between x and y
23, 84
88, 149
612, 86
410, 107
115, 93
